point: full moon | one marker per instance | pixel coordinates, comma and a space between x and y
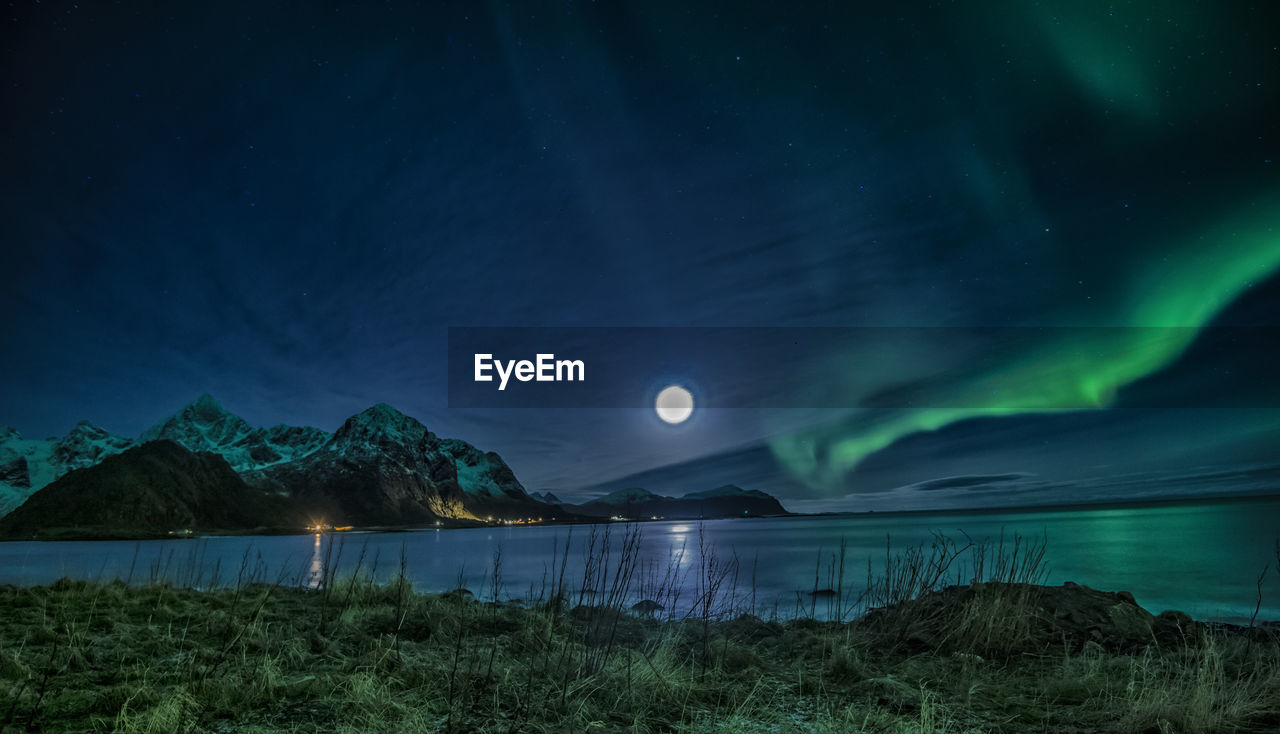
674, 404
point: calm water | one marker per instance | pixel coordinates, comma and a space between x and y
1201, 558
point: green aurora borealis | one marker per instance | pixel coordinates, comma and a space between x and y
1124, 61
1167, 305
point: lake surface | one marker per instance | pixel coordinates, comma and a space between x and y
1203, 558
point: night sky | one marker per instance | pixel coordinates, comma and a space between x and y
287, 207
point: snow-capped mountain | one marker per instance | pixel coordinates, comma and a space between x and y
205, 425
379, 467
29, 465
384, 468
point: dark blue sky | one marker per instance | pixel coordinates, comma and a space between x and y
288, 206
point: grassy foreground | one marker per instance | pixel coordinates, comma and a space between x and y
360, 656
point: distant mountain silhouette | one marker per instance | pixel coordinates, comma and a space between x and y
725, 501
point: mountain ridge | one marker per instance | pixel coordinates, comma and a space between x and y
381, 467
204, 425
475, 483
727, 500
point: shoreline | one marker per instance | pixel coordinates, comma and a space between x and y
75, 536
472, 525
1223, 625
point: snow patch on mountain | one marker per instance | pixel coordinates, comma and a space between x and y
478, 473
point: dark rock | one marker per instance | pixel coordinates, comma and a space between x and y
749, 628
1127, 621
647, 606
459, 594
1172, 627
15, 472
1070, 615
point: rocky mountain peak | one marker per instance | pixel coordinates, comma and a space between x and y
204, 425
381, 423
548, 497
206, 407
86, 429
199, 426
86, 443
384, 467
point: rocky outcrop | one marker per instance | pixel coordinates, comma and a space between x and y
1003, 618
15, 473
